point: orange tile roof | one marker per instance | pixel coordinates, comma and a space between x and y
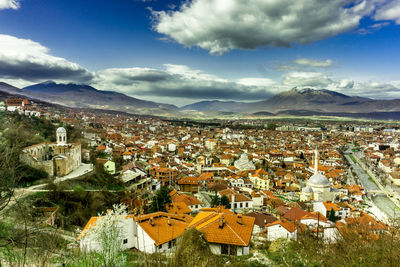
329, 206
189, 180
232, 232
219, 209
295, 214
187, 199
92, 221
166, 226
178, 208
289, 226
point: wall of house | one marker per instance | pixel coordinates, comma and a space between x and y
278, 231
145, 242
314, 223
90, 243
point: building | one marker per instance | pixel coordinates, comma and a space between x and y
243, 163
225, 233
318, 186
341, 210
155, 232
16, 104
57, 159
281, 229
189, 184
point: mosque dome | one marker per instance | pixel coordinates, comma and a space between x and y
61, 130
318, 180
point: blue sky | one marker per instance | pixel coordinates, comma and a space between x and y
168, 51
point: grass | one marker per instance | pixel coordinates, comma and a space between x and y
352, 158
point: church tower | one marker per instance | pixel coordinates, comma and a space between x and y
61, 135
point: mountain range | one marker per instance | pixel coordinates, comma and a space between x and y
301, 102
85, 96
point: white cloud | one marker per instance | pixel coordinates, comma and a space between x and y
313, 62
9, 4
29, 60
376, 90
179, 81
346, 84
389, 11
222, 25
316, 80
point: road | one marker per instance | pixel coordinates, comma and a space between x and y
381, 200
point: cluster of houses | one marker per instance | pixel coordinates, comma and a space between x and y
276, 183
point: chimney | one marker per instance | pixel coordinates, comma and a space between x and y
240, 219
169, 220
221, 221
151, 221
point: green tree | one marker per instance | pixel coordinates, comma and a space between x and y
225, 201
215, 200
332, 216
161, 199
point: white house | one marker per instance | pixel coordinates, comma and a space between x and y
341, 210
281, 229
155, 232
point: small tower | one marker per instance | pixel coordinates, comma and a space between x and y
61, 135
316, 161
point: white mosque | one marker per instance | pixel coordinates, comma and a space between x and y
243, 163
318, 186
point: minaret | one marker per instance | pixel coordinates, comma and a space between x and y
316, 161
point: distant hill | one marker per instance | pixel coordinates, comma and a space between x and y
215, 105
5, 87
309, 100
85, 96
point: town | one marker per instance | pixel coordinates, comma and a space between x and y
239, 184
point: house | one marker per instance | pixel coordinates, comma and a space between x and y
155, 232
166, 176
16, 104
226, 159
261, 219
189, 184
260, 179
281, 229
225, 233
192, 202
178, 208
341, 210
238, 201
109, 166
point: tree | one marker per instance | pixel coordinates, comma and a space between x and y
161, 199
225, 201
108, 233
215, 200
332, 216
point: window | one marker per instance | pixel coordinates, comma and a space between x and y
125, 241
247, 205
169, 244
224, 249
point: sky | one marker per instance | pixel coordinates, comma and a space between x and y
181, 52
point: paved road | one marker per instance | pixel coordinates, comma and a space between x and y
362, 176
383, 202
